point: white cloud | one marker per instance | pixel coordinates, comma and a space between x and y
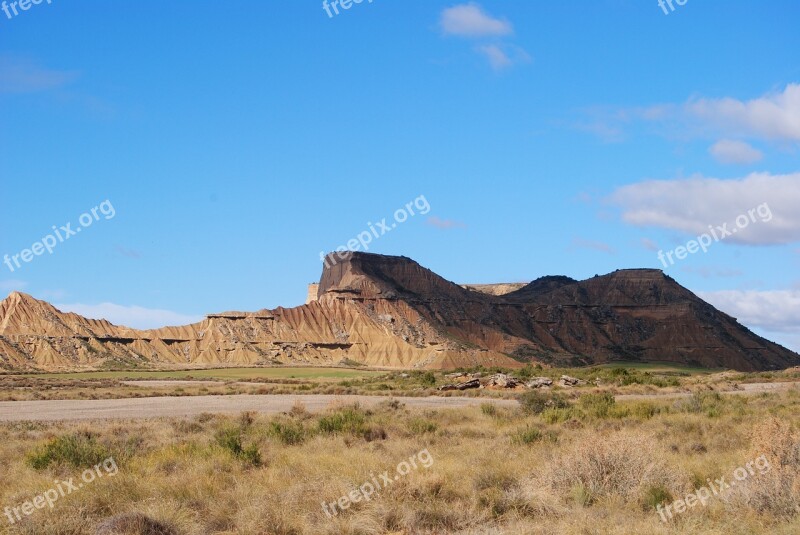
772, 116
470, 20
130, 316
735, 152
770, 202
773, 310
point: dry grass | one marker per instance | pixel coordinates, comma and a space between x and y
601, 469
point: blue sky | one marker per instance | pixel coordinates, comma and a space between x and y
235, 141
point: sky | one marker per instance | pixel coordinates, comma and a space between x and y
164, 160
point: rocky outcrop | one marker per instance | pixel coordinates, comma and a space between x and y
313, 292
389, 311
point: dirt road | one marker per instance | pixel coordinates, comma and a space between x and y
159, 407
742, 389
166, 407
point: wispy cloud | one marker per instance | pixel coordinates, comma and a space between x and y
470, 20
649, 244
735, 152
774, 116
496, 56
503, 56
130, 316
21, 75
445, 224
606, 131
691, 205
129, 253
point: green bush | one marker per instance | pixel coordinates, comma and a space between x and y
230, 438
709, 403
489, 409
528, 371
78, 450
643, 411
347, 420
556, 415
654, 496
420, 426
428, 379
529, 435
597, 405
536, 402
289, 433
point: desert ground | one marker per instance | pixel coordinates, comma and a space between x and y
364, 451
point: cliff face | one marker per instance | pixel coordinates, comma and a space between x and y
391, 312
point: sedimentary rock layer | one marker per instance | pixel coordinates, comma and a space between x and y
389, 311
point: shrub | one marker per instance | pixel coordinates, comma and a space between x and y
428, 379
654, 496
535, 402
774, 487
346, 420
624, 465
643, 411
289, 433
597, 405
489, 409
580, 495
528, 371
79, 450
420, 426
529, 435
709, 403
555, 415
230, 439
375, 433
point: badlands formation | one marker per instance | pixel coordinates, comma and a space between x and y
388, 311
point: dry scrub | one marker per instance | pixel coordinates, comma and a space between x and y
600, 467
